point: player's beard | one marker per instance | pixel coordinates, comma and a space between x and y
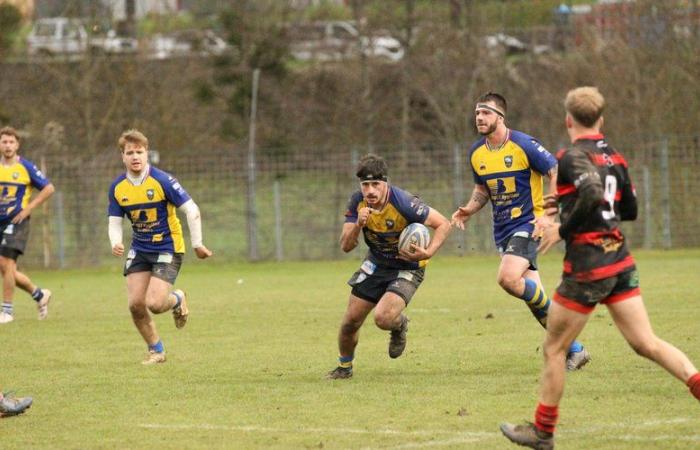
489, 130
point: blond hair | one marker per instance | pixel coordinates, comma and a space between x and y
585, 104
133, 136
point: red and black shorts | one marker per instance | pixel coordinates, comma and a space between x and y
584, 296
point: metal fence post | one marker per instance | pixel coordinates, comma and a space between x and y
60, 229
648, 226
250, 199
665, 193
279, 250
458, 190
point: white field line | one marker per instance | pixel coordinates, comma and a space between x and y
257, 429
453, 437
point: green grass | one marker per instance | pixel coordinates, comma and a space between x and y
247, 371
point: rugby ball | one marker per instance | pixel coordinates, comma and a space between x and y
415, 233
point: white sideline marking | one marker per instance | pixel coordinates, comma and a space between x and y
453, 437
253, 428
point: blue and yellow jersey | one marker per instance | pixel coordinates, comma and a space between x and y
151, 207
16, 184
383, 228
513, 176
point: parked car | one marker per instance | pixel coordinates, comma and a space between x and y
511, 45
113, 43
199, 42
67, 36
58, 35
337, 40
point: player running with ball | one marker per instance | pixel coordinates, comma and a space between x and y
387, 279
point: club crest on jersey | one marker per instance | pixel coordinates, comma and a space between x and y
508, 160
15, 175
150, 193
389, 223
482, 165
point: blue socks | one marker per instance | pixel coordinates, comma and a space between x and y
345, 361
576, 347
157, 347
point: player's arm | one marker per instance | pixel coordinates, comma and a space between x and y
442, 228
589, 190
628, 200
479, 198
114, 230
40, 198
194, 223
546, 220
349, 237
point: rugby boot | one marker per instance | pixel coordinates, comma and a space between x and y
528, 436
339, 373
12, 406
6, 318
181, 312
43, 304
397, 342
576, 360
153, 357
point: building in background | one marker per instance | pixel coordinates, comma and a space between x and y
123, 9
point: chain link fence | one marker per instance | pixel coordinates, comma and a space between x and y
289, 205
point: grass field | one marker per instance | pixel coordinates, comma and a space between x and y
247, 371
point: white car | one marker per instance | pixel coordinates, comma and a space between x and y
57, 35
66, 36
337, 40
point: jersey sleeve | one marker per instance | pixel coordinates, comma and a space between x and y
351, 209
576, 167
36, 176
628, 198
470, 154
114, 209
411, 206
540, 159
174, 192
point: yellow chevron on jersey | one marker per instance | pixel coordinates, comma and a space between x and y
13, 179
388, 220
147, 205
513, 175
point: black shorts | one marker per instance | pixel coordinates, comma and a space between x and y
523, 245
583, 297
371, 282
14, 239
165, 266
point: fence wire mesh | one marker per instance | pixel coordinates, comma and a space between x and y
299, 198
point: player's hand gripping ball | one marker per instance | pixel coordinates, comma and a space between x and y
415, 233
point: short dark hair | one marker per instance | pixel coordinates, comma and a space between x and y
372, 167
10, 132
498, 99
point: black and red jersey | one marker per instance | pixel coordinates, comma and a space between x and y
595, 193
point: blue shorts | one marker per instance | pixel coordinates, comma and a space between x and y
521, 244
